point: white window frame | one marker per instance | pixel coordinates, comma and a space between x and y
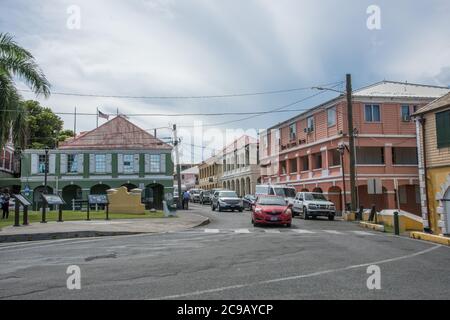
100, 165
333, 123
72, 163
155, 163
128, 168
310, 123
293, 131
372, 105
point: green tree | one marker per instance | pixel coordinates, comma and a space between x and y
44, 127
16, 62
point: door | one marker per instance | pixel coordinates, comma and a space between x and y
298, 203
447, 208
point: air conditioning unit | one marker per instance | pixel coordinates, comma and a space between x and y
308, 130
406, 118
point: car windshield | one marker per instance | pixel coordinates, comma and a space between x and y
315, 196
251, 197
285, 192
228, 194
271, 201
262, 190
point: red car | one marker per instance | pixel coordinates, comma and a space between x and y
271, 210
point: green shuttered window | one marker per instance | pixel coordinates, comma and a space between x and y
443, 129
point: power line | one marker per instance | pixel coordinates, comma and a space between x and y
231, 95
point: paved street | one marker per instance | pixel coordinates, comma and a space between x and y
229, 259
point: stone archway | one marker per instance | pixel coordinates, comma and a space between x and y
69, 193
335, 196
99, 189
318, 190
153, 196
233, 187
129, 186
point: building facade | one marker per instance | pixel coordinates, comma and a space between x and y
190, 177
433, 141
240, 163
9, 169
210, 172
304, 151
118, 153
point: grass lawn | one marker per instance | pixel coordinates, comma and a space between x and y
36, 216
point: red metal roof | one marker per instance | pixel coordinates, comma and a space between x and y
118, 133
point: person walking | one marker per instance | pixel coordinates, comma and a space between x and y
185, 201
5, 206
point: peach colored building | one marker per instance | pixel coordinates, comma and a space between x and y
303, 151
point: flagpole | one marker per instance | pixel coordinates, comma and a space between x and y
75, 122
97, 117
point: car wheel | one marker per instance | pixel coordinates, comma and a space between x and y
331, 217
220, 208
305, 214
240, 210
213, 208
288, 225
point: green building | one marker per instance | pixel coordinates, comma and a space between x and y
117, 153
9, 169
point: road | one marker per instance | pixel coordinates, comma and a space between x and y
229, 259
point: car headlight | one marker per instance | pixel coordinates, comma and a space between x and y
258, 210
312, 206
332, 207
221, 201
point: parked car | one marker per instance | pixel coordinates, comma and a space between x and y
195, 195
226, 200
205, 196
271, 210
248, 200
312, 204
285, 191
213, 191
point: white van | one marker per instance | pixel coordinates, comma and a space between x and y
282, 190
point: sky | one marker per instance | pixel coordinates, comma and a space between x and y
219, 47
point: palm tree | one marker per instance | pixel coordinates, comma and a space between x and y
16, 62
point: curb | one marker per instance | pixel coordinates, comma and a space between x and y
79, 234
373, 226
430, 237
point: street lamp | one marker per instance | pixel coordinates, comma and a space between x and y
44, 203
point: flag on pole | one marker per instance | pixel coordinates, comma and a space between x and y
103, 115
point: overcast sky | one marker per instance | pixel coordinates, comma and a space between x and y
214, 47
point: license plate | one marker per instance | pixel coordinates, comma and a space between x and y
273, 218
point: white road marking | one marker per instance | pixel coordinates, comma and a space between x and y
302, 231
241, 231
302, 276
363, 233
332, 231
212, 230
272, 231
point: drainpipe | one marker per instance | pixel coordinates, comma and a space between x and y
425, 171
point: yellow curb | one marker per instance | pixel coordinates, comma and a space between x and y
430, 237
373, 226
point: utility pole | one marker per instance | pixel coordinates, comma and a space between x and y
351, 142
177, 159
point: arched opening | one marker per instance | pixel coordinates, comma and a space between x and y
318, 190
99, 189
248, 186
238, 189
153, 196
224, 185
233, 187
69, 193
37, 199
335, 196
129, 186
304, 190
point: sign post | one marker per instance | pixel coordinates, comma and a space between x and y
21, 200
53, 199
98, 199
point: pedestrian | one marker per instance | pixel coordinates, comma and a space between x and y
5, 206
185, 201
1, 201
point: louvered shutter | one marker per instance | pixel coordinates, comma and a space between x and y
108, 163
34, 163
136, 163
80, 163
63, 163
147, 162
92, 163
162, 167
52, 163
120, 163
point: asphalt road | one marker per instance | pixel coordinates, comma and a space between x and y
229, 259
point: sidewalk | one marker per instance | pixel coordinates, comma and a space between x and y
96, 228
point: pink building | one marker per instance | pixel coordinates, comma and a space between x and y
303, 151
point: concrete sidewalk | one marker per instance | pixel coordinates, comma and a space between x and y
96, 228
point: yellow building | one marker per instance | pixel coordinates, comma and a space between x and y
433, 140
210, 171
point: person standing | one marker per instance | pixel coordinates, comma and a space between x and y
185, 201
5, 206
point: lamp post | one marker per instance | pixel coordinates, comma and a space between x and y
341, 149
44, 203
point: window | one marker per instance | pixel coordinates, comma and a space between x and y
310, 124
41, 164
406, 155
292, 131
100, 163
335, 157
405, 113
283, 167
128, 163
293, 165
331, 116
372, 113
317, 160
266, 141
305, 163
155, 163
443, 129
370, 155
72, 163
